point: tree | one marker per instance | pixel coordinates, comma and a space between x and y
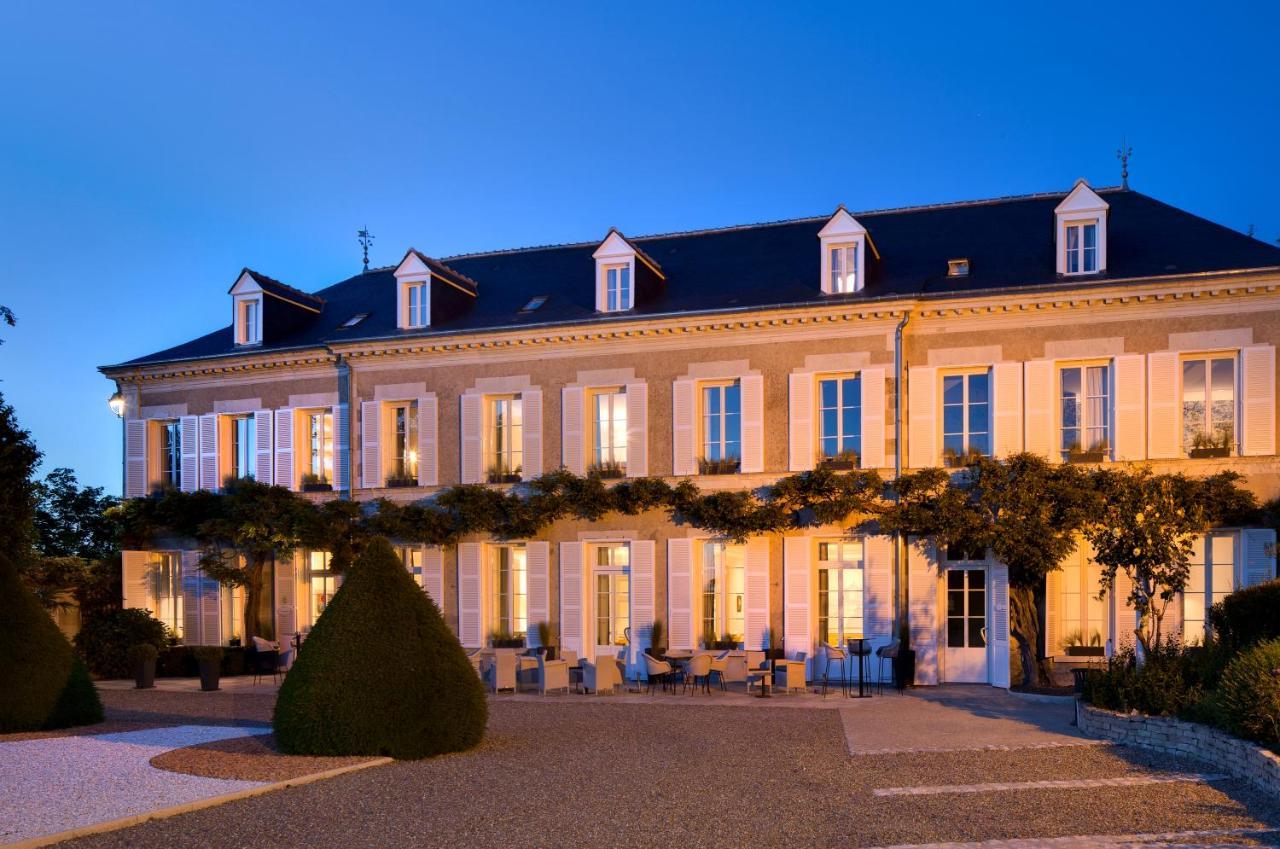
1026, 511
18, 459
75, 538
1145, 526
7, 316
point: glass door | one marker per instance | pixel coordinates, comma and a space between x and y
966, 636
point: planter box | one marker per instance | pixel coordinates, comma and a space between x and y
317, 487
1200, 453
1086, 456
512, 478
1085, 651
144, 675
209, 674
396, 483
838, 465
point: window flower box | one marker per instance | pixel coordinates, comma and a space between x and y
1085, 651
1216, 451
394, 481
1086, 456
506, 641
495, 476
845, 462
607, 471
311, 483
727, 466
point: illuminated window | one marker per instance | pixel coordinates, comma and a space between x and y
170, 455
844, 268
721, 427
1085, 409
321, 581
319, 456
1209, 404
617, 287
840, 591
506, 437
165, 579
509, 614
244, 450
404, 442
612, 593
609, 430
1211, 579
723, 591
411, 557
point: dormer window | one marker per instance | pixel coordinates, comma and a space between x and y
844, 253
1080, 233
617, 287
625, 275
249, 321
957, 268
427, 289
416, 294
264, 310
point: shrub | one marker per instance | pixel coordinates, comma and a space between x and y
1167, 684
381, 673
106, 635
1248, 696
42, 683
141, 653
1248, 616
208, 654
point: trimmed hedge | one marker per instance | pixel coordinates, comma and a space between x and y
1248, 696
380, 673
106, 635
1248, 616
42, 682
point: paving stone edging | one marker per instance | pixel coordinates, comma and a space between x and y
1230, 755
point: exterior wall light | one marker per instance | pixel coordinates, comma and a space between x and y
116, 403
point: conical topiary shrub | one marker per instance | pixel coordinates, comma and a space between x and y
42, 682
380, 673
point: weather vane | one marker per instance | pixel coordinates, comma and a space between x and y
365, 238
1123, 155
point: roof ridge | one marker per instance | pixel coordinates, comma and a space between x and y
783, 221
260, 277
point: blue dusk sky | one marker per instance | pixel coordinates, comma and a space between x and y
148, 151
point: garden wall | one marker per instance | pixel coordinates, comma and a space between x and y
1229, 755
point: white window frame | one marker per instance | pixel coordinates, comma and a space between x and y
169, 467
1208, 359
1080, 208
417, 304
1080, 253
164, 588
839, 278
1086, 421
503, 457
619, 287
508, 613
841, 405
839, 566
248, 452
318, 445
605, 449
411, 557
617, 573
248, 319
723, 598
1200, 593
842, 231
704, 418
318, 566
401, 451
967, 431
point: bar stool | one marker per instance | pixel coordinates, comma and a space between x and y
885, 653
831, 653
860, 654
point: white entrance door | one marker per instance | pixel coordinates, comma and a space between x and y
965, 655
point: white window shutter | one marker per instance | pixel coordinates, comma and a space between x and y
469, 625
642, 602
1258, 549
637, 430
209, 453
135, 458
797, 585
1006, 381
537, 572
341, 447
433, 574
752, 386
873, 418
999, 626
800, 410
472, 438
1164, 413
282, 473
190, 452
370, 451
1258, 388
1126, 618
428, 425
572, 441
210, 612
1040, 437
192, 586
683, 428
922, 594
680, 593
922, 416
757, 592
531, 463
136, 579
262, 445
1130, 429
286, 598
878, 571
1053, 610
572, 600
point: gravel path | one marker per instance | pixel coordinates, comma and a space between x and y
594, 773
250, 758
57, 783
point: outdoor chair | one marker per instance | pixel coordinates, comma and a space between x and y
268, 662
570, 657
837, 655
793, 673
552, 675
477, 661
500, 672
735, 668
720, 667
603, 675
697, 670
657, 670
887, 653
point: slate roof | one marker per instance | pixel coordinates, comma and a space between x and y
285, 291
1008, 242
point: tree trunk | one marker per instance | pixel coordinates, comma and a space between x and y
255, 624
1024, 625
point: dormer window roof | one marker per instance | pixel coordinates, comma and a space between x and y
844, 254
427, 288
624, 273
1080, 232
261, 306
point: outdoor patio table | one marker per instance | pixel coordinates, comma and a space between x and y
766, 678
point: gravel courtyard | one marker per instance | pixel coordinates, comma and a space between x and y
725, 771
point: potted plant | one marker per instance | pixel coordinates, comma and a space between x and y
658, 639
505, 640
401, 481
142, 657
545, 637
312, 482
1076, 645
1205, 445
904, 665
844, 461
608, 469
210, 660
725, 466
1095, 454
501, 474
726, 642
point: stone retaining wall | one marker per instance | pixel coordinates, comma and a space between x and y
1227, 754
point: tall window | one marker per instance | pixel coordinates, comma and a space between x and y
510, 613
320, 445
171, 455
609, 430
840, 418
416, 301
321, 581
612, 593
844, 268
411, 557
244, 453
840, 591
724, 581
966, 416
722, 426
165, 575
1085, 406
233, 613
404, 441
617, 287
1084, 615
506, 437
1209, 403
966, 608
1211, 580
1082, 248
250, 322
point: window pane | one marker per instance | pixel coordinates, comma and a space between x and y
953, 389
978, 386
1193, 402
828, 390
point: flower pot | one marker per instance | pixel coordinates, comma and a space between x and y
317, 487
210, 671
1084, 651
1200, 453
144, 675
904, 668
